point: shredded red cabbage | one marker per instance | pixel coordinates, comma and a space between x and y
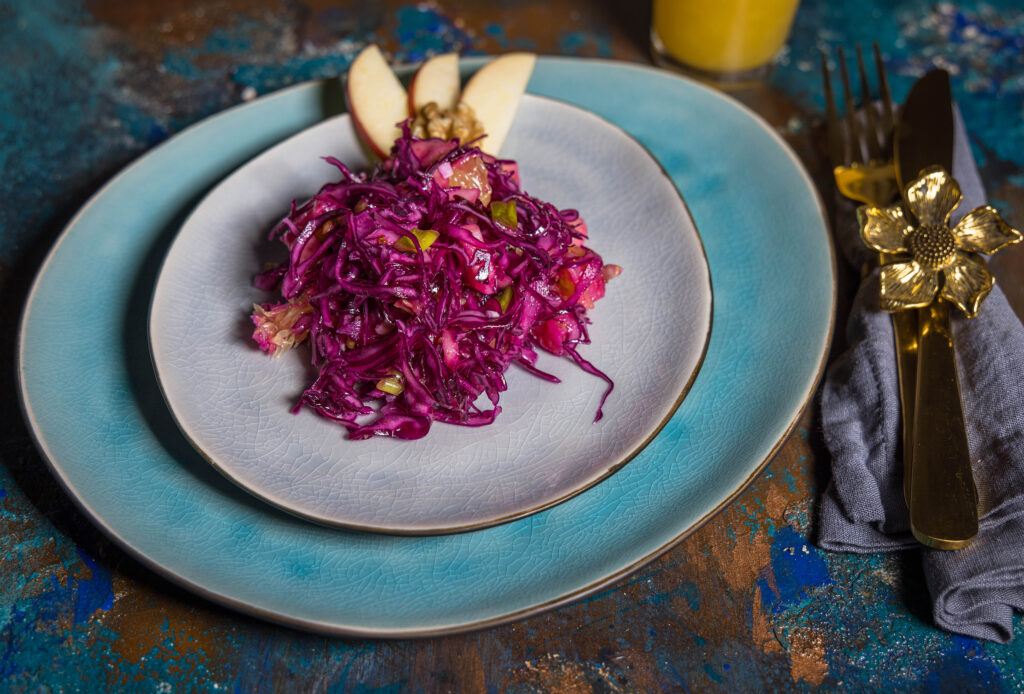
419, 284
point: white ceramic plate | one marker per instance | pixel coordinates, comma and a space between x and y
649, 335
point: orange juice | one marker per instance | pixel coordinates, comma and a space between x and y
721, 36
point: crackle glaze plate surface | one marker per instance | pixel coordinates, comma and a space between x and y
648, 335
99, 418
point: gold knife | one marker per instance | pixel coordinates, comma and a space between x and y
942, 494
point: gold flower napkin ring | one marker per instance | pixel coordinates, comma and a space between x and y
932, 259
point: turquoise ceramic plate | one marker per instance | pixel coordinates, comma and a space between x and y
92, 401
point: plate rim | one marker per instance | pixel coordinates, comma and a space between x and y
448, 628
618, 462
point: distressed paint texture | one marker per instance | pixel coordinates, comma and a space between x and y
747, 603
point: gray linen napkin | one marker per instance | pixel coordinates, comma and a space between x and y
974, 590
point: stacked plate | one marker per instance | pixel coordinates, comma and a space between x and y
281, 516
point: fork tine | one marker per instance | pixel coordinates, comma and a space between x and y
884, 94
872, 133
836, 142
856, 155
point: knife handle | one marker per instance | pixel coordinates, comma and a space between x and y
943, 498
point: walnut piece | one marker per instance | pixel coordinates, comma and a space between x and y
460, 123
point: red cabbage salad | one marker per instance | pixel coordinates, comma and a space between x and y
417, 286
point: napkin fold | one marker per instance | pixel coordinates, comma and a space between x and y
974, 590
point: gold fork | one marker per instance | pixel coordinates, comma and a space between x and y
870, 180
861, 154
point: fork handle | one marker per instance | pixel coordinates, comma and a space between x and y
943, 498
905, 329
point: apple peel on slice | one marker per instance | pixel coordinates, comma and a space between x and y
438, 81
494, 93
376, 100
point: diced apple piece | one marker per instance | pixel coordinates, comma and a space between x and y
429, 151
555, 332
436, 80
494, 93
376, 100
470, 173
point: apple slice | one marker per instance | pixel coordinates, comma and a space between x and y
494, 93
376, 100
436, 80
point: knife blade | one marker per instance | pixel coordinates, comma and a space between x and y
924, 131
943, 497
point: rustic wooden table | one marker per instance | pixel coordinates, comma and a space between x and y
747, 603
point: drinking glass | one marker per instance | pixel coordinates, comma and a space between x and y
727, 42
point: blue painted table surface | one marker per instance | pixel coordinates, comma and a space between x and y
747, 603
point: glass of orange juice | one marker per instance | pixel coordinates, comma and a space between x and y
727, 42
